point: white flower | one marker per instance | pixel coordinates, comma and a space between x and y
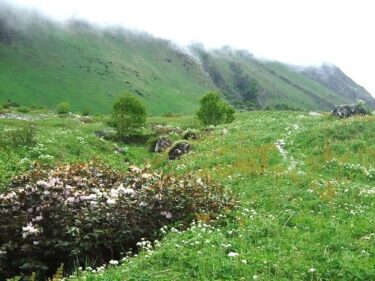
244, 261
38, 218
232, 254
89, 197
166, 214
43, 184
143, 204
129, 191
29, 229
312, 270
70, 199
111, 201
113, 262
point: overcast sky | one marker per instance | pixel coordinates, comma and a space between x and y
292, 31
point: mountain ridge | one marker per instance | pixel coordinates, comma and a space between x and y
45, 62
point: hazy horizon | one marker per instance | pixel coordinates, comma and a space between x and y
294, 32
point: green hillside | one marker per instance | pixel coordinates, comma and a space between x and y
45, 62
47, 65
276, 83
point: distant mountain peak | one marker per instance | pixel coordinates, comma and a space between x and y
335, 79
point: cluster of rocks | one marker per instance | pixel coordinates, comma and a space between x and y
348, 110
162, 143
165, 129
178, 149
22, 117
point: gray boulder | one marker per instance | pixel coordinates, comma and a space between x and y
344, 111
162, 144
178, 149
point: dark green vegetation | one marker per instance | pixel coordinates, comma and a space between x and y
45, 63
214, 111
307, 215
128, 116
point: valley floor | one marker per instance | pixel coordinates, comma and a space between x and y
305, 186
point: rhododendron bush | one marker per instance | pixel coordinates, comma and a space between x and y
89, 213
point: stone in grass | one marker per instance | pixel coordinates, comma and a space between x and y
161, 144
178, 149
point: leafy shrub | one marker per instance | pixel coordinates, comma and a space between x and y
214, 110
88, 212
23, 136
282, 106
171, 114
23, 109
128, 116
10, 104
63, 108
85, 112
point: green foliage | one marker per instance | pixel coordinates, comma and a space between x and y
214, 110
59, 275
23, 109
85, 111
11, 104
128, 116
282, 106
287, 216
22, 136
86, 212
63, 108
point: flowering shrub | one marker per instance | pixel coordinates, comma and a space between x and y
89, 213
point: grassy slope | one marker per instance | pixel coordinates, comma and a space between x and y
318, 215
307, 223
278, 82
50, 65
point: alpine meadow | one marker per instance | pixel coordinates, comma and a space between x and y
124, 156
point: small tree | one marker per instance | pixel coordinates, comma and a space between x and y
63, 108
214, 110
128, 115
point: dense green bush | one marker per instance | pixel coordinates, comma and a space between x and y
63, 108
214, 110
89, 213
128, 116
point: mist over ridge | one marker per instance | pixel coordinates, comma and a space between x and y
113, 59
